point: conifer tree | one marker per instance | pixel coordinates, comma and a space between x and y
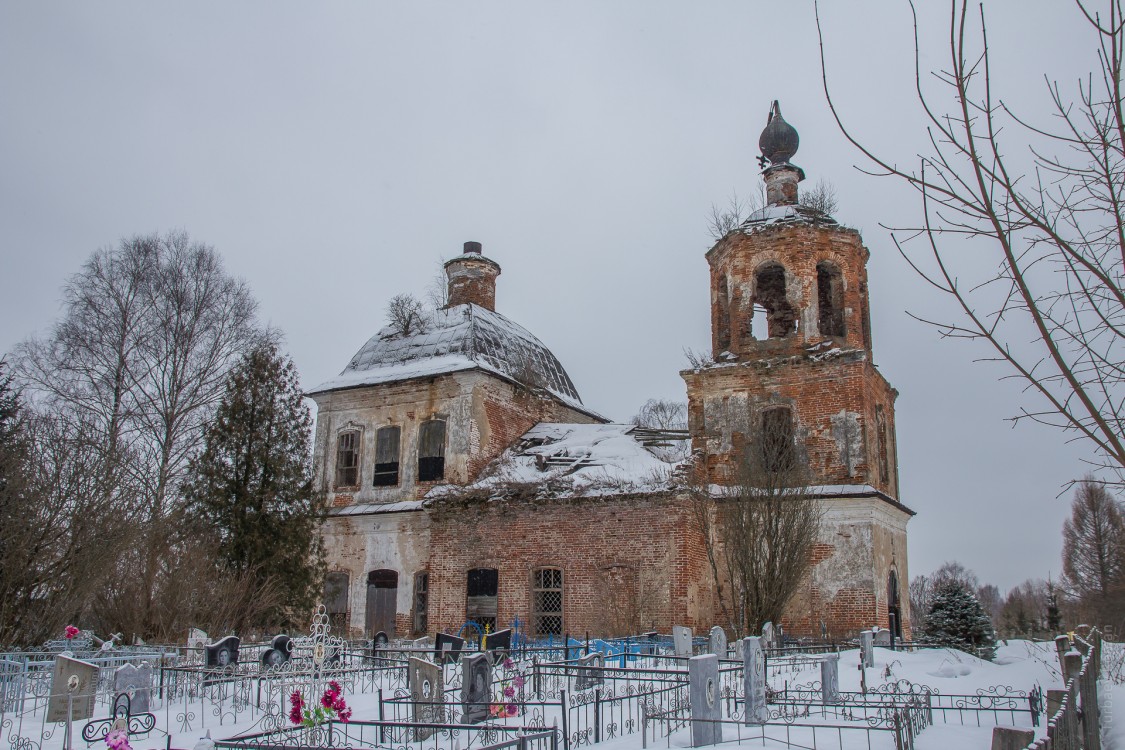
956, 618
252, 485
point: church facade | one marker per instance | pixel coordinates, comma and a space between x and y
467, 482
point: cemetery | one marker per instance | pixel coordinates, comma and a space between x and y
503, 690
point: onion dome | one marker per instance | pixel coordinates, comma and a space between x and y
779, 139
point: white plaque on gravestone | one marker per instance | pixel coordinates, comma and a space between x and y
706, 705
74, 687
717, 642
681, 639
754, 680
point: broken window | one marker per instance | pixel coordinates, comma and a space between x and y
431, 451
347, 459
421, 601
336, 599
480, 597
830, 299
722, 321
881, 438
386, 456
547, 601
778, 449
769, 285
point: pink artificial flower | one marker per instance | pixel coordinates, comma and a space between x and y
118, 740
518, 681
509, 692
327, 699
70, 632
508, 663
512, 709
297, 702
334, 687
346, 715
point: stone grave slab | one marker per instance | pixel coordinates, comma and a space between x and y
681, 640
476, 688
867, 648
72, 679
447, 648
136, 682
717, 642
426, 693
590, 678
830, 679
754, 680
706, 705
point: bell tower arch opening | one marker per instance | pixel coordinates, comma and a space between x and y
769, 294
830, 299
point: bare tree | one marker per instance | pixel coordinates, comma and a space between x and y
437, 291
662, 414
759, 532
1094, 552
1054, 223
821, 198
722, 220
406, 315
921, 597
148, 333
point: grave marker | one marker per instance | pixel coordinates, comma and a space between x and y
427, 696
447, 648
867, 648
706, 707
754, 680
681, 639
588, 678
476, 688
222, 654
768, 636
830, 679
717, 642
136, 682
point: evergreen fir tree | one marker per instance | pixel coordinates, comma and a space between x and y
956, 618
1054, 619
253, 485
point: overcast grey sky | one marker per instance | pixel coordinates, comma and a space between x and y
334, 152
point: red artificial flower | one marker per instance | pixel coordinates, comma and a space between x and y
71, 631
297, 702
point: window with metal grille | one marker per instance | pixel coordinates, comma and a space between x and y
386, 456
421, 601
778, 450
347, 459
547, 601
431, 451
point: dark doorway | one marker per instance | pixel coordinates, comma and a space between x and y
480, 602
894, 610
336, 601
382, 593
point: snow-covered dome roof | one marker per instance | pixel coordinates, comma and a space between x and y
463, 337
774, 215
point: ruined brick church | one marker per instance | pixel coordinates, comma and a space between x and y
467, 482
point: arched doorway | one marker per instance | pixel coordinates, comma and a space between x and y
382, 595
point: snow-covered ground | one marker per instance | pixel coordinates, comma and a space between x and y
1019, 667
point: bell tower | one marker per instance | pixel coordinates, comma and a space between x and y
791, 339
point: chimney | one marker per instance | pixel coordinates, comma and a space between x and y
472, 278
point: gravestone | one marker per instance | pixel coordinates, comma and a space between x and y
883, 637
830, 679
476, 688
754, 680
424, 643
426, 695
498, 643
768, 636
279, 652
72, 679
706, 706
717, 642
588, 678
196, 639
222, 654
380, 641
867, 648
447, 648
681, 639
136, 682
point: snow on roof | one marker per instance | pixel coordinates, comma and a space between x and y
363, 509
458, 338
785, 214
577, 460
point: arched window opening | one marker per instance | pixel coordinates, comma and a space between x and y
722, 316
778, 450
431, 451
881, 438
830, 299
386, 456
347, 459
421, 601
781, 319
482, 585
547, 602
382, 599
336, 599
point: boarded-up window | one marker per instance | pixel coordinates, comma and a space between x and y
431, 451
547, 601
421, 601
347, 459
336, 599
778, 451
482, 585
386, 456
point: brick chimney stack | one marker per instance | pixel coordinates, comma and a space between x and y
472, 278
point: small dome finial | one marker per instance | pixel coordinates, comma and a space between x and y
779, 139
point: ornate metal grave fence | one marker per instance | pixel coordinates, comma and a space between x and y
396, 735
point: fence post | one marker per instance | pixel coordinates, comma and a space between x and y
382, 728
565, 719
535, 678
597, 714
